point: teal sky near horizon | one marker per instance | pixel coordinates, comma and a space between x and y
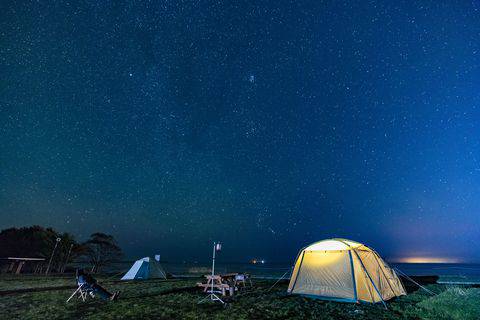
266, 126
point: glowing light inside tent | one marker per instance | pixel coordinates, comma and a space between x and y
322, 259
332, 245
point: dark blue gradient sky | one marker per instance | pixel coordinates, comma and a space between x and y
266, 126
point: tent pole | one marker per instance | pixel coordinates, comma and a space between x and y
388, 281
368, 287
371, 280
293, 267
298, 272
353, 276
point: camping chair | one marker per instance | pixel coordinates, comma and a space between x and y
241, 280
83, 291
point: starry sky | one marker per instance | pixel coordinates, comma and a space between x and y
267, 126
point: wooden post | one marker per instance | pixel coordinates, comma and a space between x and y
19, 268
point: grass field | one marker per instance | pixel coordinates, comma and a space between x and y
175, 299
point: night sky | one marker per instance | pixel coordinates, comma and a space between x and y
171, 124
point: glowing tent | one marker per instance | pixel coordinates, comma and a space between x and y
343, 270
145, 268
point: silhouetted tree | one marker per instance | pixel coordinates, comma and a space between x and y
100, 250
37, 242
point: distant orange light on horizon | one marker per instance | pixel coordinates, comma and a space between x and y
427, 260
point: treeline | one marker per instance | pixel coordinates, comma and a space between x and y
98, 251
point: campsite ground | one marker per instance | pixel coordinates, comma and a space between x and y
176, 299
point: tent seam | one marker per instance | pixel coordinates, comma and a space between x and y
371, 280
353, 277
298, 272
386, 278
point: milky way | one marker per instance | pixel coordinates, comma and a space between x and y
171, 125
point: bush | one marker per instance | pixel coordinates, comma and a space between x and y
454, 303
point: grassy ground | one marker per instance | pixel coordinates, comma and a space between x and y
158, 300
15, 282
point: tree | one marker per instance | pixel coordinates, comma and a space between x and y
33, 241
101, 250
37, 242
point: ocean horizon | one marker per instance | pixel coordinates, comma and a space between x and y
448, 273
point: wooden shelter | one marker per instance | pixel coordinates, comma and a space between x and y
15, 264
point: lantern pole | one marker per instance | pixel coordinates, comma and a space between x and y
53, 253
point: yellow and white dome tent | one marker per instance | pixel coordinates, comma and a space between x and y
343, 270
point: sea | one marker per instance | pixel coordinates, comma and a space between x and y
449, 273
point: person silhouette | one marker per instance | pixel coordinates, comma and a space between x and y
89, 282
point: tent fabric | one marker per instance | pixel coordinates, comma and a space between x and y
343, 270
145, 268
